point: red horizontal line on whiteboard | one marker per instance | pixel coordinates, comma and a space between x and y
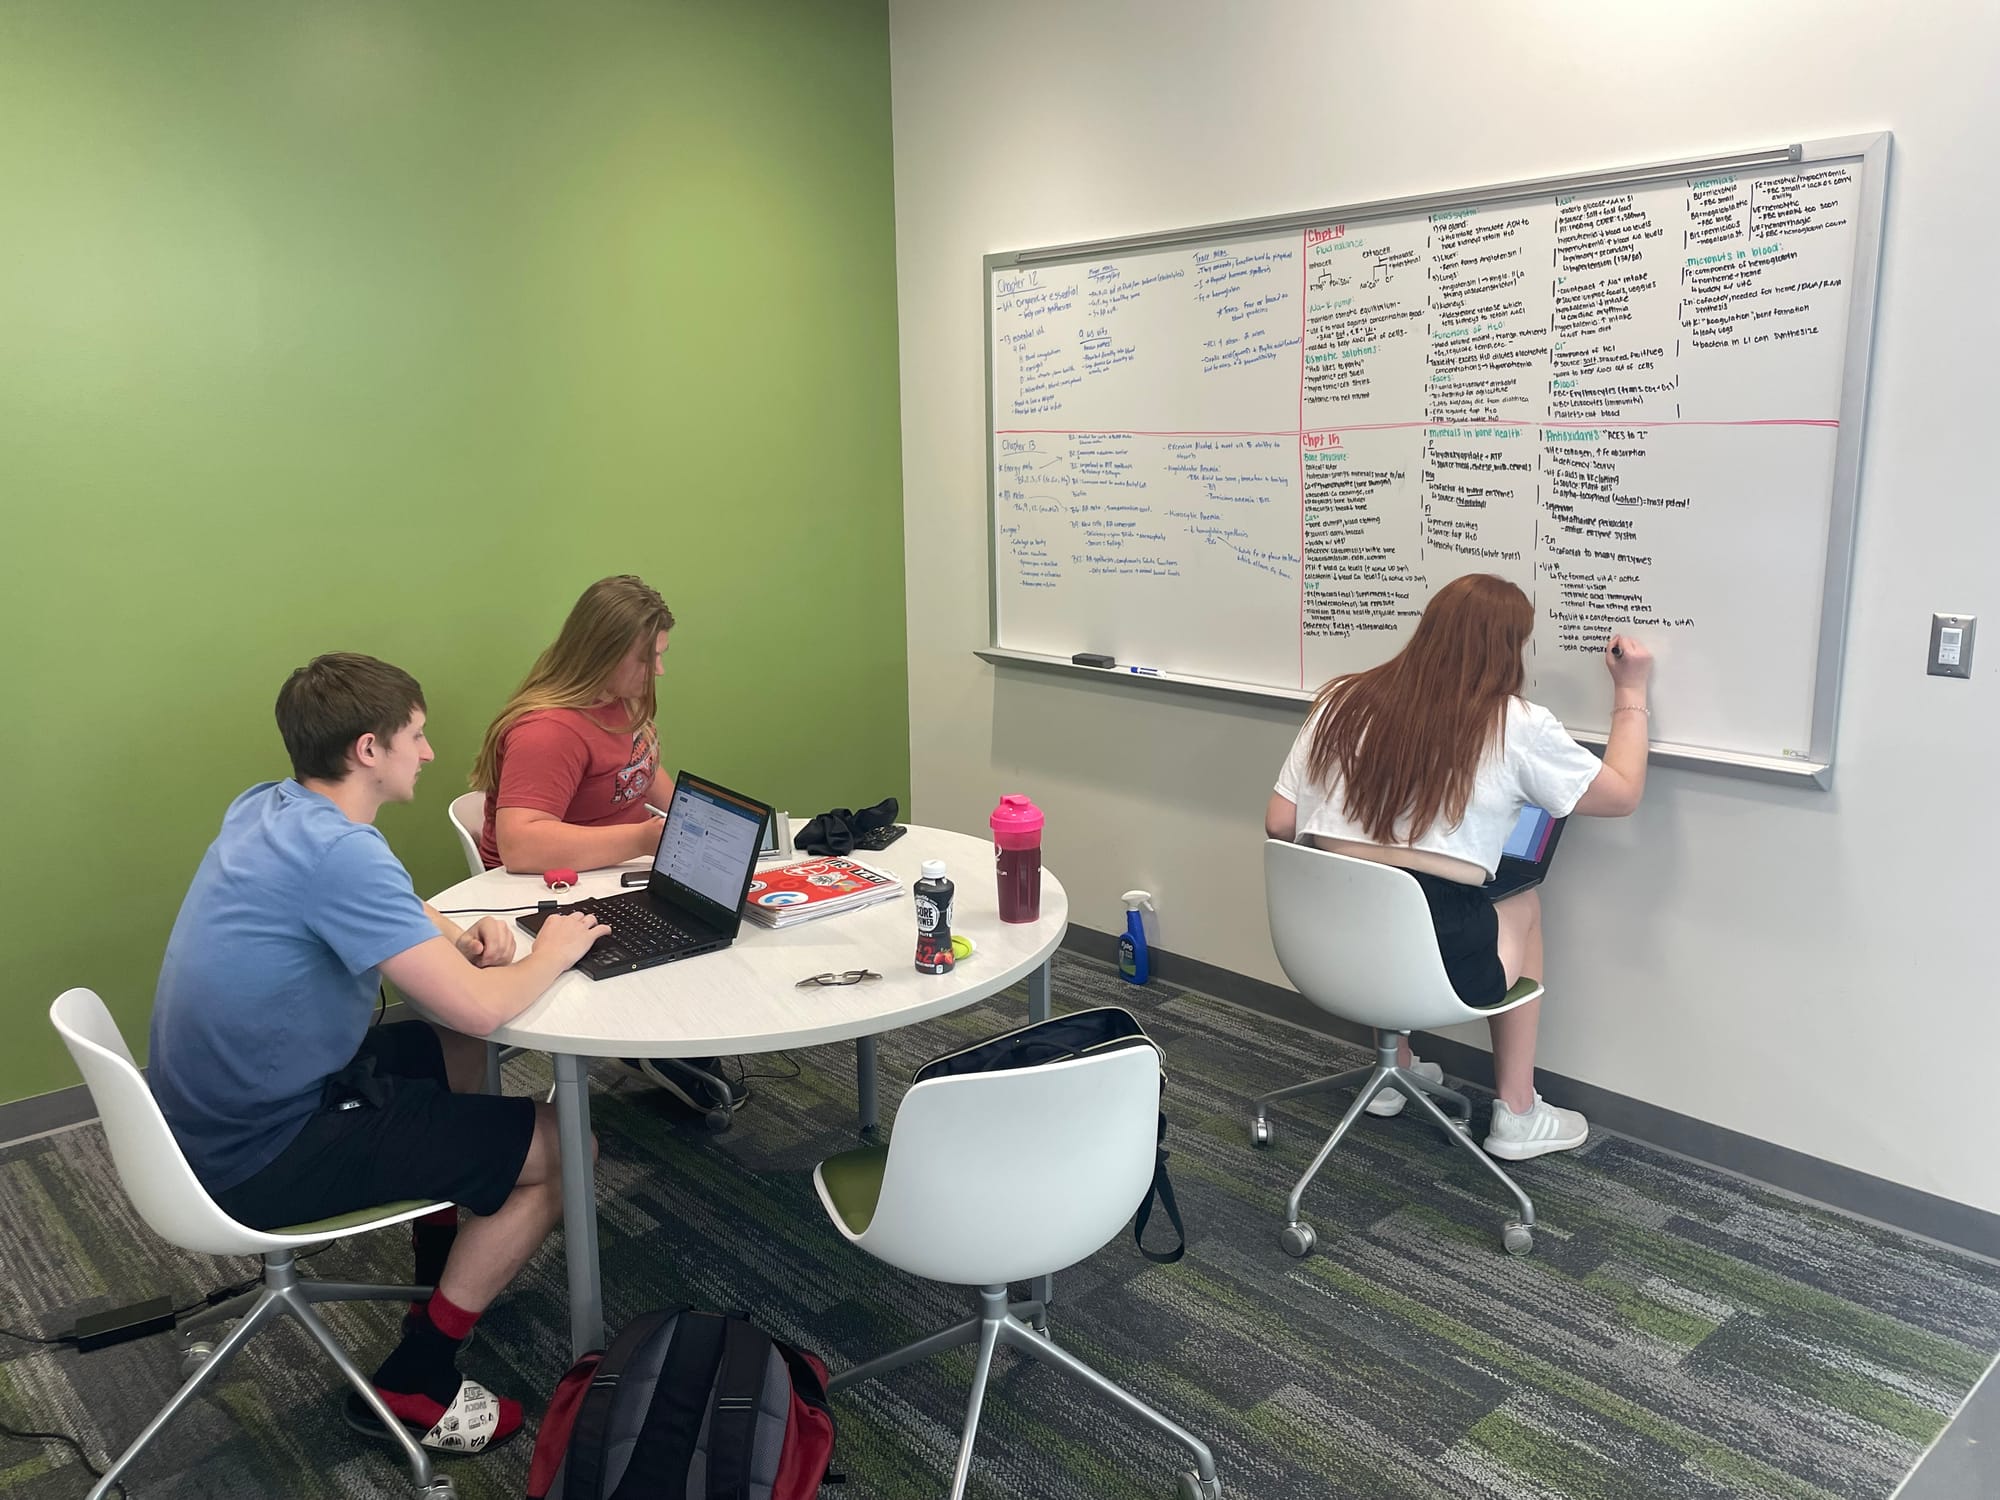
1630, 422
1146, 432
1284, 432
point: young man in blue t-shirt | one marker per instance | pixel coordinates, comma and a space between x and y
289, 1105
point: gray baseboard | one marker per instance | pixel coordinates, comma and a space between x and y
41, 1113
1956, 1224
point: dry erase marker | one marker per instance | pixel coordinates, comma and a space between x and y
1145, 671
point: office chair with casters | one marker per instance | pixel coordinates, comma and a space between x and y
1355, 938
163, 1188
993, 1178
468, 819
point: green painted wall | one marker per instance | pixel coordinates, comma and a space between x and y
387, 327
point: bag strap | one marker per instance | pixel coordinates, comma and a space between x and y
1163, 1193
558, 1422
658, 1469
583, 1463
735, 1407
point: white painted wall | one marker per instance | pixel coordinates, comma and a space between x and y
1811, 968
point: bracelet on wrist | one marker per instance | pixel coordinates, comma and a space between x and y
1633, 708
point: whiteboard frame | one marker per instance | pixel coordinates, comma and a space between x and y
1871, 150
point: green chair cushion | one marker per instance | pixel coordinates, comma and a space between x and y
341, 1223
854, 1182
1520, 989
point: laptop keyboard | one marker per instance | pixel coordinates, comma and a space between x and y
637, 929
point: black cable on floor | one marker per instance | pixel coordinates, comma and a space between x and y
743, 1076
22, 1435
33, 1338
224, 1293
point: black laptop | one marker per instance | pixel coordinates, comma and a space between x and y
693, 901
1524, 860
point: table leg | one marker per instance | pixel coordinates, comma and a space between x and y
1043, 1288
1038, 994
864, 1084
579, 1189
492, 1067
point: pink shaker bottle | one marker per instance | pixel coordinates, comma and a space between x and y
1017, 853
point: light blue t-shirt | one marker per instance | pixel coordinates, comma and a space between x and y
270, 977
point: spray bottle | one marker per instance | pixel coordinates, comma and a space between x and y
1134, 965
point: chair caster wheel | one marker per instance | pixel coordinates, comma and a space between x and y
1517, 1238
1298, 1240
194, 1356
1188, 1486
1260, 1132
718, 1120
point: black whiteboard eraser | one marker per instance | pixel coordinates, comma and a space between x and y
1093, 659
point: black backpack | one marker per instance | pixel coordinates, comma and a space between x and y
1077, 1034
694, 1405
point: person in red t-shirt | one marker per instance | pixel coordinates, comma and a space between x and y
569, 764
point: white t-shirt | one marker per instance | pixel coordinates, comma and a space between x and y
1535, 762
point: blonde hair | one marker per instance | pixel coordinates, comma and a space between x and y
605, 625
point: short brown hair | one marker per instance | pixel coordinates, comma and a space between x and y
330, 702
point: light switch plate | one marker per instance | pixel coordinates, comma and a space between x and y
1951, 645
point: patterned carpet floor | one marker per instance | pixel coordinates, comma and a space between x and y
1677, 1332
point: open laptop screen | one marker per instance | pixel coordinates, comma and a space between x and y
1530, 838
709, 845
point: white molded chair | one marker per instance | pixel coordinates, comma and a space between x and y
1355, 938
468, 818
467, 813
169, 1197
992, 1178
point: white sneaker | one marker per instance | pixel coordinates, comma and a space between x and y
1388, 1103
1538, 1132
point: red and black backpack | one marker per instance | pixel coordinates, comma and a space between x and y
688, 1405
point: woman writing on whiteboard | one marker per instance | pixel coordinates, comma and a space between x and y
1425, 762
572, 762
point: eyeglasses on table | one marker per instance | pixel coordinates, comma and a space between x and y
850, 976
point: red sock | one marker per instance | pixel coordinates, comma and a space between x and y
451, 1320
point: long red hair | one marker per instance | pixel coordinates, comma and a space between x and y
1407, 736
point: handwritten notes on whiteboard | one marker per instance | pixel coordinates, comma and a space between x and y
1254, 459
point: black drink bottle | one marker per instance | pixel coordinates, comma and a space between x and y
933, 900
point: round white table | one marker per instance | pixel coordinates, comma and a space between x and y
746, 999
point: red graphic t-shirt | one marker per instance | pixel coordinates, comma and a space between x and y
566, 761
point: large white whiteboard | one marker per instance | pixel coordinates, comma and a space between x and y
1245, 455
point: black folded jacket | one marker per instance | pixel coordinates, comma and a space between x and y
834, 831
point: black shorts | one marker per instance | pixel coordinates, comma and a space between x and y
389, 1128
1468, 938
